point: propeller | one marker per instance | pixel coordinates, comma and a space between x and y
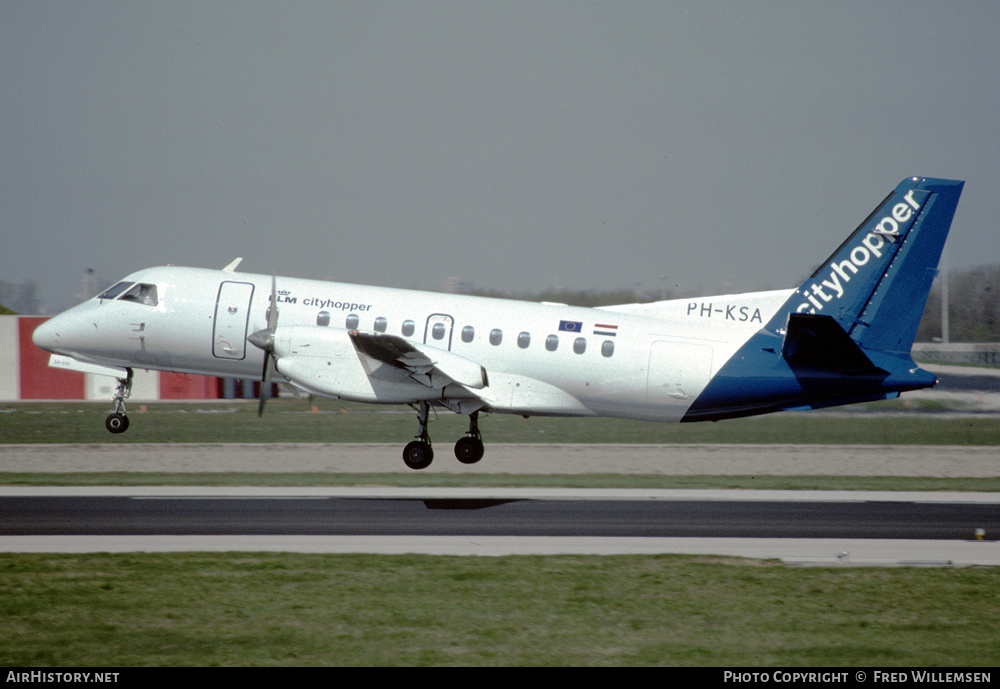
264, 339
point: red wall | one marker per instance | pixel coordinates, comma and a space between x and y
38, 381
184, 386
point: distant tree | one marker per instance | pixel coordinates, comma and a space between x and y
930, 322
577, 297
974, 307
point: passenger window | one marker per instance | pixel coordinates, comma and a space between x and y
352, 322
114, 290
408, 328
381, 324
141, 293
580, 345
552, 343
437, 332
607, 348
468, 333
323, 318
496, 336
523, 340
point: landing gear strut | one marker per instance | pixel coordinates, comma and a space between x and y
418, 454
117, 421
469, 449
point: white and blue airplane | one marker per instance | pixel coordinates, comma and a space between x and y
843, 336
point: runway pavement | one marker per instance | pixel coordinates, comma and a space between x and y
393, 521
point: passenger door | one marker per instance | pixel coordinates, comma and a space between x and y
232, 317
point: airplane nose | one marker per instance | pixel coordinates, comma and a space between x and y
46, 335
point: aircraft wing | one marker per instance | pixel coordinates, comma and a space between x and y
435, 367
375, 367
421, 361
361, 366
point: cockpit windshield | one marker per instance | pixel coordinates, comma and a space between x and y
141, 293
138, 292
114, 290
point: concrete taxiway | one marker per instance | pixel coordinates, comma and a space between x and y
799, 552
941, 461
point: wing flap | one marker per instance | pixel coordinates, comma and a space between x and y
427, 365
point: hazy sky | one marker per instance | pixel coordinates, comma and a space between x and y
716, 146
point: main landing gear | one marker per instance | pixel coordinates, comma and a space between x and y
418, 454
469, 449
117, 421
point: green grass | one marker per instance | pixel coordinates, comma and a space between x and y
339, 422
501, 480
250, 609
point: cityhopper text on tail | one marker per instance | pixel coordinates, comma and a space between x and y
843, 336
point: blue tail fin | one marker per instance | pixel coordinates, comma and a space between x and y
876, 284
845, 334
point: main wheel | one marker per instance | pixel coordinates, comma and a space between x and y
116, 423
418, 455
469, 450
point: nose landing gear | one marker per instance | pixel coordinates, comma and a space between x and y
117, 421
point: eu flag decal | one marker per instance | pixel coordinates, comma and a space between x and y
571, 326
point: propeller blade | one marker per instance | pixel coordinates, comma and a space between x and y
264, 339
265, 383
272, 313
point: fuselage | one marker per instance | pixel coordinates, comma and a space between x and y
643, 361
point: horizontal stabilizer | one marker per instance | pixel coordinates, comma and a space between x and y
819, 343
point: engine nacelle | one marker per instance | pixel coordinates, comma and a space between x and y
322, 361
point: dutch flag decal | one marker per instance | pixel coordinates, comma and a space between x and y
605, 330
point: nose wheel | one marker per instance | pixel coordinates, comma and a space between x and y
117, 421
